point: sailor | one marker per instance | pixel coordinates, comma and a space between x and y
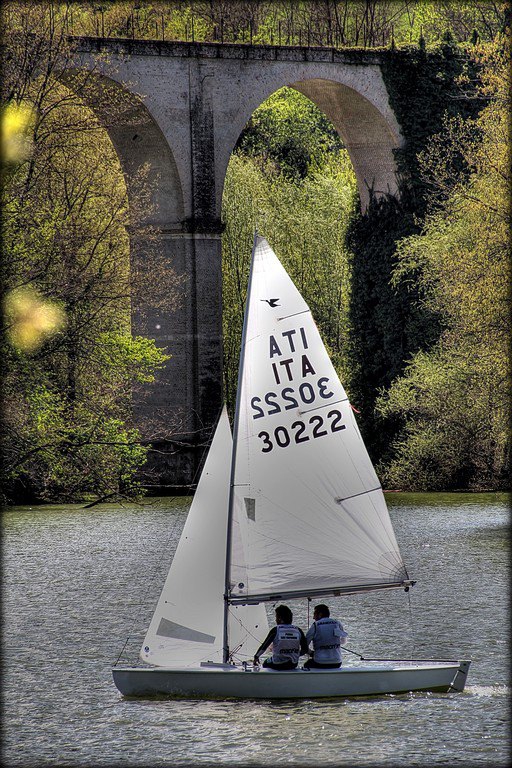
327, 636
288, 642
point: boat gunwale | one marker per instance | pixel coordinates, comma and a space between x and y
288, 672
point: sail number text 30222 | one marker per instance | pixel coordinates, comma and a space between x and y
302, 432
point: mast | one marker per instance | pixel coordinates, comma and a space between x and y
231, 503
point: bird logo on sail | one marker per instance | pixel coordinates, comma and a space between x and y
271, 302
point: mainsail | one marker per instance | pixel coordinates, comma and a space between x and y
187, 624
312, 519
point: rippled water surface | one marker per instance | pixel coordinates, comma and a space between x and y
78, 581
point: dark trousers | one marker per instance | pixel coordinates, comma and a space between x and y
285, 666
312, 664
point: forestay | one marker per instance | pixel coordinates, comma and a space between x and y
311, 511
187, 625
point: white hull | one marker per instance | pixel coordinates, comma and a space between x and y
232, 682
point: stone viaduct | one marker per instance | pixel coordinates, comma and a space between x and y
180, 108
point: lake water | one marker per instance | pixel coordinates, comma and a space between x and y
78, 582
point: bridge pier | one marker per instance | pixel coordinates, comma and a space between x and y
176, 412
189, 390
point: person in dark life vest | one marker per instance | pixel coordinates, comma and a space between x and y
288, 642
327, 636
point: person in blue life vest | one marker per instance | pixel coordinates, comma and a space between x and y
327, 636
288, 642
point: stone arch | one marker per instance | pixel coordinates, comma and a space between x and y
137, 139
370, 135
369, 138
196, 99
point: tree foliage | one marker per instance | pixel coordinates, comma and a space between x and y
339, 23
66, 393
426, 322
429, 90
305, 218
453, 401
289, 136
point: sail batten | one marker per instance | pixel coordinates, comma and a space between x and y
322, 405
304, 312
355, 495
318, 521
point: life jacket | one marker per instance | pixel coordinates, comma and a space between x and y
286, 644
327, 640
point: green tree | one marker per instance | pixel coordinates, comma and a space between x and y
67, 398
338, 23
304, 215
289, 136
453, 402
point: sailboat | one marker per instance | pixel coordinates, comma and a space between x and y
289, 507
